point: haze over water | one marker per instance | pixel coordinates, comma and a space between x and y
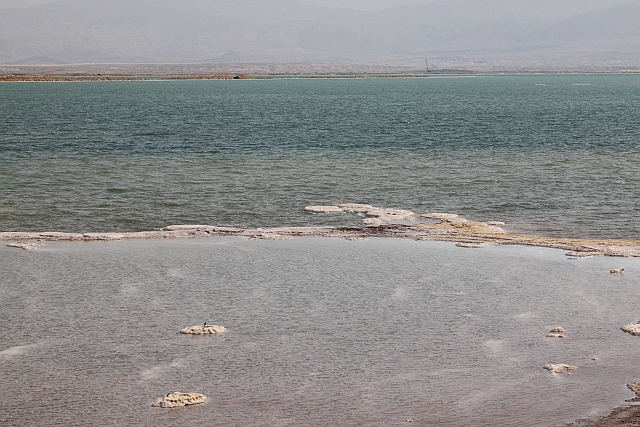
552, 155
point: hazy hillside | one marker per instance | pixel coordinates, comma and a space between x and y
476, 31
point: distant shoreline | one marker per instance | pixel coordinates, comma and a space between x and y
81, 77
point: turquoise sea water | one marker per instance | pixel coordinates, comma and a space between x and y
553, 155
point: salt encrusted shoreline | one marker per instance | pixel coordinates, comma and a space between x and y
623, 416
379, 222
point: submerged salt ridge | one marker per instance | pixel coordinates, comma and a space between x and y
379, 222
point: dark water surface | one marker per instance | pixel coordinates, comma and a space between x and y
552, 155
320, 332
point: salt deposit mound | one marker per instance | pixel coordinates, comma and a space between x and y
561, 367
632, 328
204, 330
177, 399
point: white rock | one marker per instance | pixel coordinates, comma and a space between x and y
177, 399
457, 221
496, 223
204, 330
390, 215
561, 367
632, 328
29, 246
557, 330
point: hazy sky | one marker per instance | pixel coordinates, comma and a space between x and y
523, 31
352, 4
10, 4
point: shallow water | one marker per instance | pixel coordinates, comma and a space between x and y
321, 332
561, 159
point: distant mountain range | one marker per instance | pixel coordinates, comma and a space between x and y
490, 33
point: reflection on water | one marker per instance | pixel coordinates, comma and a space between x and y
321, 332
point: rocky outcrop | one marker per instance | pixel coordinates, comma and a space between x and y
29, 246
632, 328
204, 330
635, 387
561, 367
617, 271
177, 399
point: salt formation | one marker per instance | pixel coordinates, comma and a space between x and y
270, 236
561, 367
632, 328
204, 330
324, 209
177, 399
439, 215
187, 227
388, 215
380, 215
617, 271
446, 227
356, 207
475, 244
556, 332
28, 246
356, 238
